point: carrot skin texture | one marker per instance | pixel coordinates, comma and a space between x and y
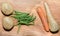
43, 18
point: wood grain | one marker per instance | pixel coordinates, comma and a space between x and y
29, 6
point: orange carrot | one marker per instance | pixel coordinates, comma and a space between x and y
43, 18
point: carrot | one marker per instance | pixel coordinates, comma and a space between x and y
42, 16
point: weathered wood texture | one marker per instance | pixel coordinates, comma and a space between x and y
29, 6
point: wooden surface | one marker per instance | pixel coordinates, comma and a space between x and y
29, 6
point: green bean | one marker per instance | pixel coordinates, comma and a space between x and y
23, 18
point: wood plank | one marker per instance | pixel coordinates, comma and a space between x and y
29, 6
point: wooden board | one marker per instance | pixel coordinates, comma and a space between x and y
29, 6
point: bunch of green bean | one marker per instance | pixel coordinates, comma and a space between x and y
23, 18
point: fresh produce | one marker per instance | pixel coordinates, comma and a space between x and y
6, 8
42, 15
23, 18
7, 23
53, 25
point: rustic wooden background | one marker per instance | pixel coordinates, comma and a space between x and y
29, 6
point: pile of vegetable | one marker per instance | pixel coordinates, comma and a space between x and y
23, 18
47, 19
